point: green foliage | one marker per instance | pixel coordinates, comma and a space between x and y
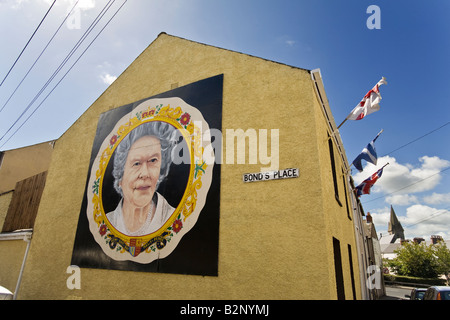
414, 281
420, 260
442, 254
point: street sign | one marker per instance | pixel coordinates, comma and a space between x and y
271, 175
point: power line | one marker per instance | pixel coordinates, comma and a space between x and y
406, 144
426, 134
74, 49
445, 210
37, 59
29, 40
428, 218
410, 185
68, 56
63, 75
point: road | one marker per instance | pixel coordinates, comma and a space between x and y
396, 292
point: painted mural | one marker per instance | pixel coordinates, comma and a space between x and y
152, 177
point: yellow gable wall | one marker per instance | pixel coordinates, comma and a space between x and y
274, 235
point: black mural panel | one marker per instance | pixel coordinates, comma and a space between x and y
152, 196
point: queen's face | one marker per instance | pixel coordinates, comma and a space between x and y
141, 172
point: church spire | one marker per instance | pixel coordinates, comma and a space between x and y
395, 227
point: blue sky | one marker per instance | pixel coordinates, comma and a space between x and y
411, 50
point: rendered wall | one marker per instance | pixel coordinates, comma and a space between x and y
5, 200
21, 163
11, 258
339, 222
274, 235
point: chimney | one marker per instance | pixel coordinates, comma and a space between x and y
435, 239
368, 218
418, 240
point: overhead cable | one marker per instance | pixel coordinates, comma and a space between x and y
441, 211
37, 59
62, 76
410, 185
426, 134
74, 49
29, 40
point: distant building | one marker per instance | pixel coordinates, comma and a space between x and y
374, 256
396, 237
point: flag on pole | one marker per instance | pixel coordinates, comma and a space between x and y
369, 104
366, 185
369, 154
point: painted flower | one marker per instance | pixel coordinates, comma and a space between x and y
113, 140
185, 118
103, 229
96, 186
177, 225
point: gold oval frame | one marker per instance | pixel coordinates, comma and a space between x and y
120, 243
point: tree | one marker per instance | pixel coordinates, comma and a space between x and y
442, 254
415, 260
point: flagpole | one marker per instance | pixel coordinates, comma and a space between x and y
342, 123
384, 166
379, 134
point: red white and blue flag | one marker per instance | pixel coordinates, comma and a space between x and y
365, 186
369, 104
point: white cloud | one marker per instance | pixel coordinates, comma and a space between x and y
290, 43
82, 4
381, 217
13, 4
424, 221
107, 78
419, 221
437, 198
286, 40
405, 178
401, 199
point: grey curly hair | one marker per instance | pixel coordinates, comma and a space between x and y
161, 130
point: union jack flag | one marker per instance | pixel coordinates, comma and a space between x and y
365, 186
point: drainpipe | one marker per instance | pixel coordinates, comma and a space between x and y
25, 235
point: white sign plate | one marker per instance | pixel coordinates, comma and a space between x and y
271, 175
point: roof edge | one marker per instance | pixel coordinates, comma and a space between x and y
229, 50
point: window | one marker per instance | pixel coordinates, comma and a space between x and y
333, 170
25, 203
350, 258
346, 196
338, 269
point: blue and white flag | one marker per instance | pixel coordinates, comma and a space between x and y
369, 154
